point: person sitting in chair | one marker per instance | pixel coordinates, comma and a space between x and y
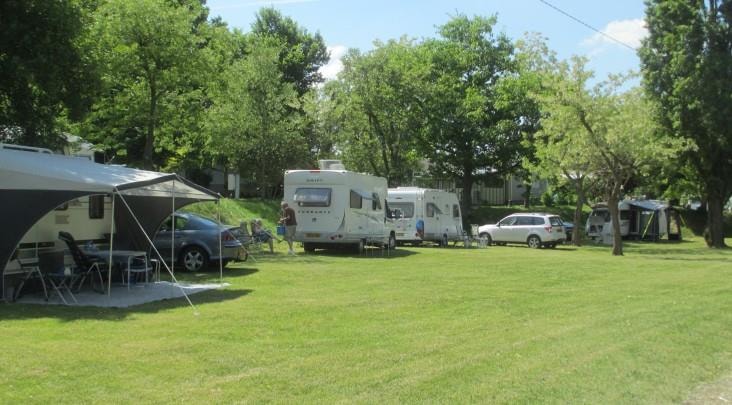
262, 235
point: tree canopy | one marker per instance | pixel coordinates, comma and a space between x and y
686, 62
45, 70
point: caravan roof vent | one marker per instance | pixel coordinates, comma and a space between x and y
331, 165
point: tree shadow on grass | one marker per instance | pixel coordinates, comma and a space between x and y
64, 313
214, 275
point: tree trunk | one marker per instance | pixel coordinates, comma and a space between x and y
467, 183
580, 190
714, 234
147, 156
612, 204
527, 195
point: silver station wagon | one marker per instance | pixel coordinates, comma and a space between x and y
533, 229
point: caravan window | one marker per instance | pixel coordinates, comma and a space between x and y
356, 200
312, 197
432, 209
405, 208
96, 206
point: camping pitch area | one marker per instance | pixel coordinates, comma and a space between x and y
503, 324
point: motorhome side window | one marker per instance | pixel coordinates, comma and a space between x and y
432, 210
96, 206
356, 200
313, 197
375, 202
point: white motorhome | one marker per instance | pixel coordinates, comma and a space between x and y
422, 214
335, 207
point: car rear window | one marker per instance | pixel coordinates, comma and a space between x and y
555, 221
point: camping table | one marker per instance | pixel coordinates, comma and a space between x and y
120, 258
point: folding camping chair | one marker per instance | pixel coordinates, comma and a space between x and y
51, 265
85, 266
251, 244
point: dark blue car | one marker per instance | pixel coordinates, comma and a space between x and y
196, 240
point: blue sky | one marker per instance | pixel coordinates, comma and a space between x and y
356, 24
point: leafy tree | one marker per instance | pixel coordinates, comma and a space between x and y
474, 128
303, 53
686, 63
384, 87
563, 151
600, 135
44, 69
153, 64
251, 120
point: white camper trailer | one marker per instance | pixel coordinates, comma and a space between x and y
335, 207
639, 219
422, 214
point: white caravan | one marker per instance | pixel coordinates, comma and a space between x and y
335, 207
423, 214
639, 219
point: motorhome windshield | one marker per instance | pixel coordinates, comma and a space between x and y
406, 208
313, 197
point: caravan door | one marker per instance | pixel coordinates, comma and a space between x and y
432, 224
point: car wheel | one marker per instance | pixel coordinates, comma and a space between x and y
308, 248
487, 237
194, 258
392, 242
534, 242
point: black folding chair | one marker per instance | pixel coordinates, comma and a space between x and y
85, 266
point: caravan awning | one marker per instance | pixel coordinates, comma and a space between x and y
32, 184
20, 170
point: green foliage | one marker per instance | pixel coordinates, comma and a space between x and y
686, 60
599, 135
475, 104
152, 71
380, 95
252, 121
302, 53
44, 69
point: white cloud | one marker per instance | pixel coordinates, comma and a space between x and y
629, 32
334, 65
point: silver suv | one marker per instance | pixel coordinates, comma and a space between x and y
534, 229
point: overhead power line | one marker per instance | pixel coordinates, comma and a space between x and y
588, 25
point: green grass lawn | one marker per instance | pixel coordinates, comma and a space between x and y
503, 324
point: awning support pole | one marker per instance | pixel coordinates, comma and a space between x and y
158, 253
172, 229
221, 252
111, 244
